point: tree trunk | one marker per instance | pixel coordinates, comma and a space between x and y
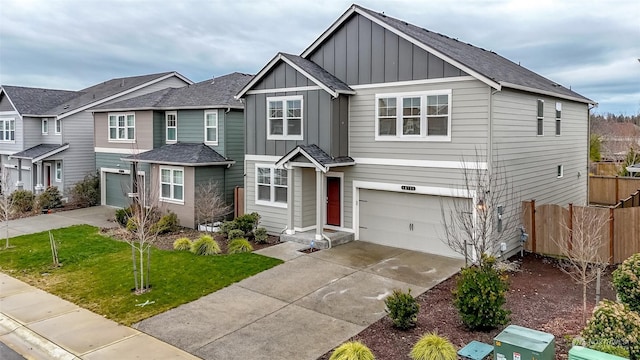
135, 270
584, 303
142, 284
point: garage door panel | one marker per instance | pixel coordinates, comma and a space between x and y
116, 189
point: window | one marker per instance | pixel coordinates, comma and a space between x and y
172, 126
560, 171
540, 117
7, 130
421, 116
271, 186
122, 127
284, 118
45, 126
211, 127
58, 171
58, 126
172, 184
558, 118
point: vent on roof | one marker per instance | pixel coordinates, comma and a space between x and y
122, 83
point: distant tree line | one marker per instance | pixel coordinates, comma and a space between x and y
620, 118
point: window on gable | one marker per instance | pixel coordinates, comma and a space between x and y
284, 118
422, 116
211, 127
172, 184
171, 118
45, 126
271, 186
58, 126
558, 118
7, 130
58, 171
122, 127
540, 118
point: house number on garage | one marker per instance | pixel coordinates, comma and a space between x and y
407, 187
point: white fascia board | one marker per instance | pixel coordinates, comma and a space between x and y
167, 108
11, 102
468, 165
329, 31
258, 77
544, 92
50, 153
127, 151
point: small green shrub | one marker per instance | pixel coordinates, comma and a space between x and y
235, 234
22, 201
352, 350
50, 198
132, 225
123, 215
626, 280
402, 309
247, 222
239, 245
205, 245
182, 244
228, 226
480, 295
616, 350
86, 192
167, 224
431, 346
260, 235
613, 324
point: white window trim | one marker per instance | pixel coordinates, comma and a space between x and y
215, 143
539, 118
558, 123
560, 171
171, 199
271, 203
58, 176
167, 127
57, 126
127, 141
285, 127
423, 117
45, 126
3, 121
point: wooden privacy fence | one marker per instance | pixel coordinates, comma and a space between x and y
544, 223
609, 190
238, 201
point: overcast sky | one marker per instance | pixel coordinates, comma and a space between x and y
592, 46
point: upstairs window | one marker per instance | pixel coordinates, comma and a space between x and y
423, 116
172, 184
122, 127
271, 186
7, 130
558, 118
58, 126
45, 126
171, 118
211, 127
284, 118
540, 118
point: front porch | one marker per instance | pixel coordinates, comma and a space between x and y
330, 238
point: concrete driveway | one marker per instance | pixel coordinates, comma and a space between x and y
101, 216
302, 308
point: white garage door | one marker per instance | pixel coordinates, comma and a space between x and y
404, 220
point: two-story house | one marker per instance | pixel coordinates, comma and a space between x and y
174, 139
46, 136
365, 131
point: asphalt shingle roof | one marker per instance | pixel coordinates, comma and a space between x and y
319, 73
323, 158
36, 101
217, 92
182, 154
38, 150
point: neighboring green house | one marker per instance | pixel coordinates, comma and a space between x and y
174, 139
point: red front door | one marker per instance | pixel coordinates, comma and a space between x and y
333, 201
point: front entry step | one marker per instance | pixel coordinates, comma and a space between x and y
336, 237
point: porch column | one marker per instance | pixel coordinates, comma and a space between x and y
19, 183
39, 171
290, 198
321, 201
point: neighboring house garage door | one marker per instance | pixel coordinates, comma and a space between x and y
117, 186
403, 220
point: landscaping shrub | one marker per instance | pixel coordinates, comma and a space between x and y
431, 346
182, 244
228, 226
123, 215
613, 324
22, 200
480, 296
402, 309
239, 245
260, 235
352, 350
205, 245
86, 192
235, 234
247, 222
50, 198
626, 280
611, 349
132, 226
167, 224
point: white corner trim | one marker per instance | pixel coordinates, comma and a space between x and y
127, 151
423, 163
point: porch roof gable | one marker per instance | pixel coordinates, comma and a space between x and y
318, 157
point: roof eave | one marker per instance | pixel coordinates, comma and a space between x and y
43, 156
258, 77
172, 163
167, 108
544, 92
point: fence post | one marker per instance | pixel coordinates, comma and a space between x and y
533, 225
611, 232
570, 226
617, 199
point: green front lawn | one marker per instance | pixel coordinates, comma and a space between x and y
97, 272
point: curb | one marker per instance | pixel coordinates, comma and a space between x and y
29, 344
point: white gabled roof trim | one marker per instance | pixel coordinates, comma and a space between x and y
11, 102
543, 92
280, 163
166, 108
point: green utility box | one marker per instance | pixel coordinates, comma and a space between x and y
520, 343
582, 353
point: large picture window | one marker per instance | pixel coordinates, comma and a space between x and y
172, 126
271, 186
284, 118
122, 127
172, 184
211, 127
416, 116
7, 130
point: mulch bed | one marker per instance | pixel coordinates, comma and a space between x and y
540, 297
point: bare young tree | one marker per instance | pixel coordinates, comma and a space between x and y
581, 241
6, 202
209, 204
478, 227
